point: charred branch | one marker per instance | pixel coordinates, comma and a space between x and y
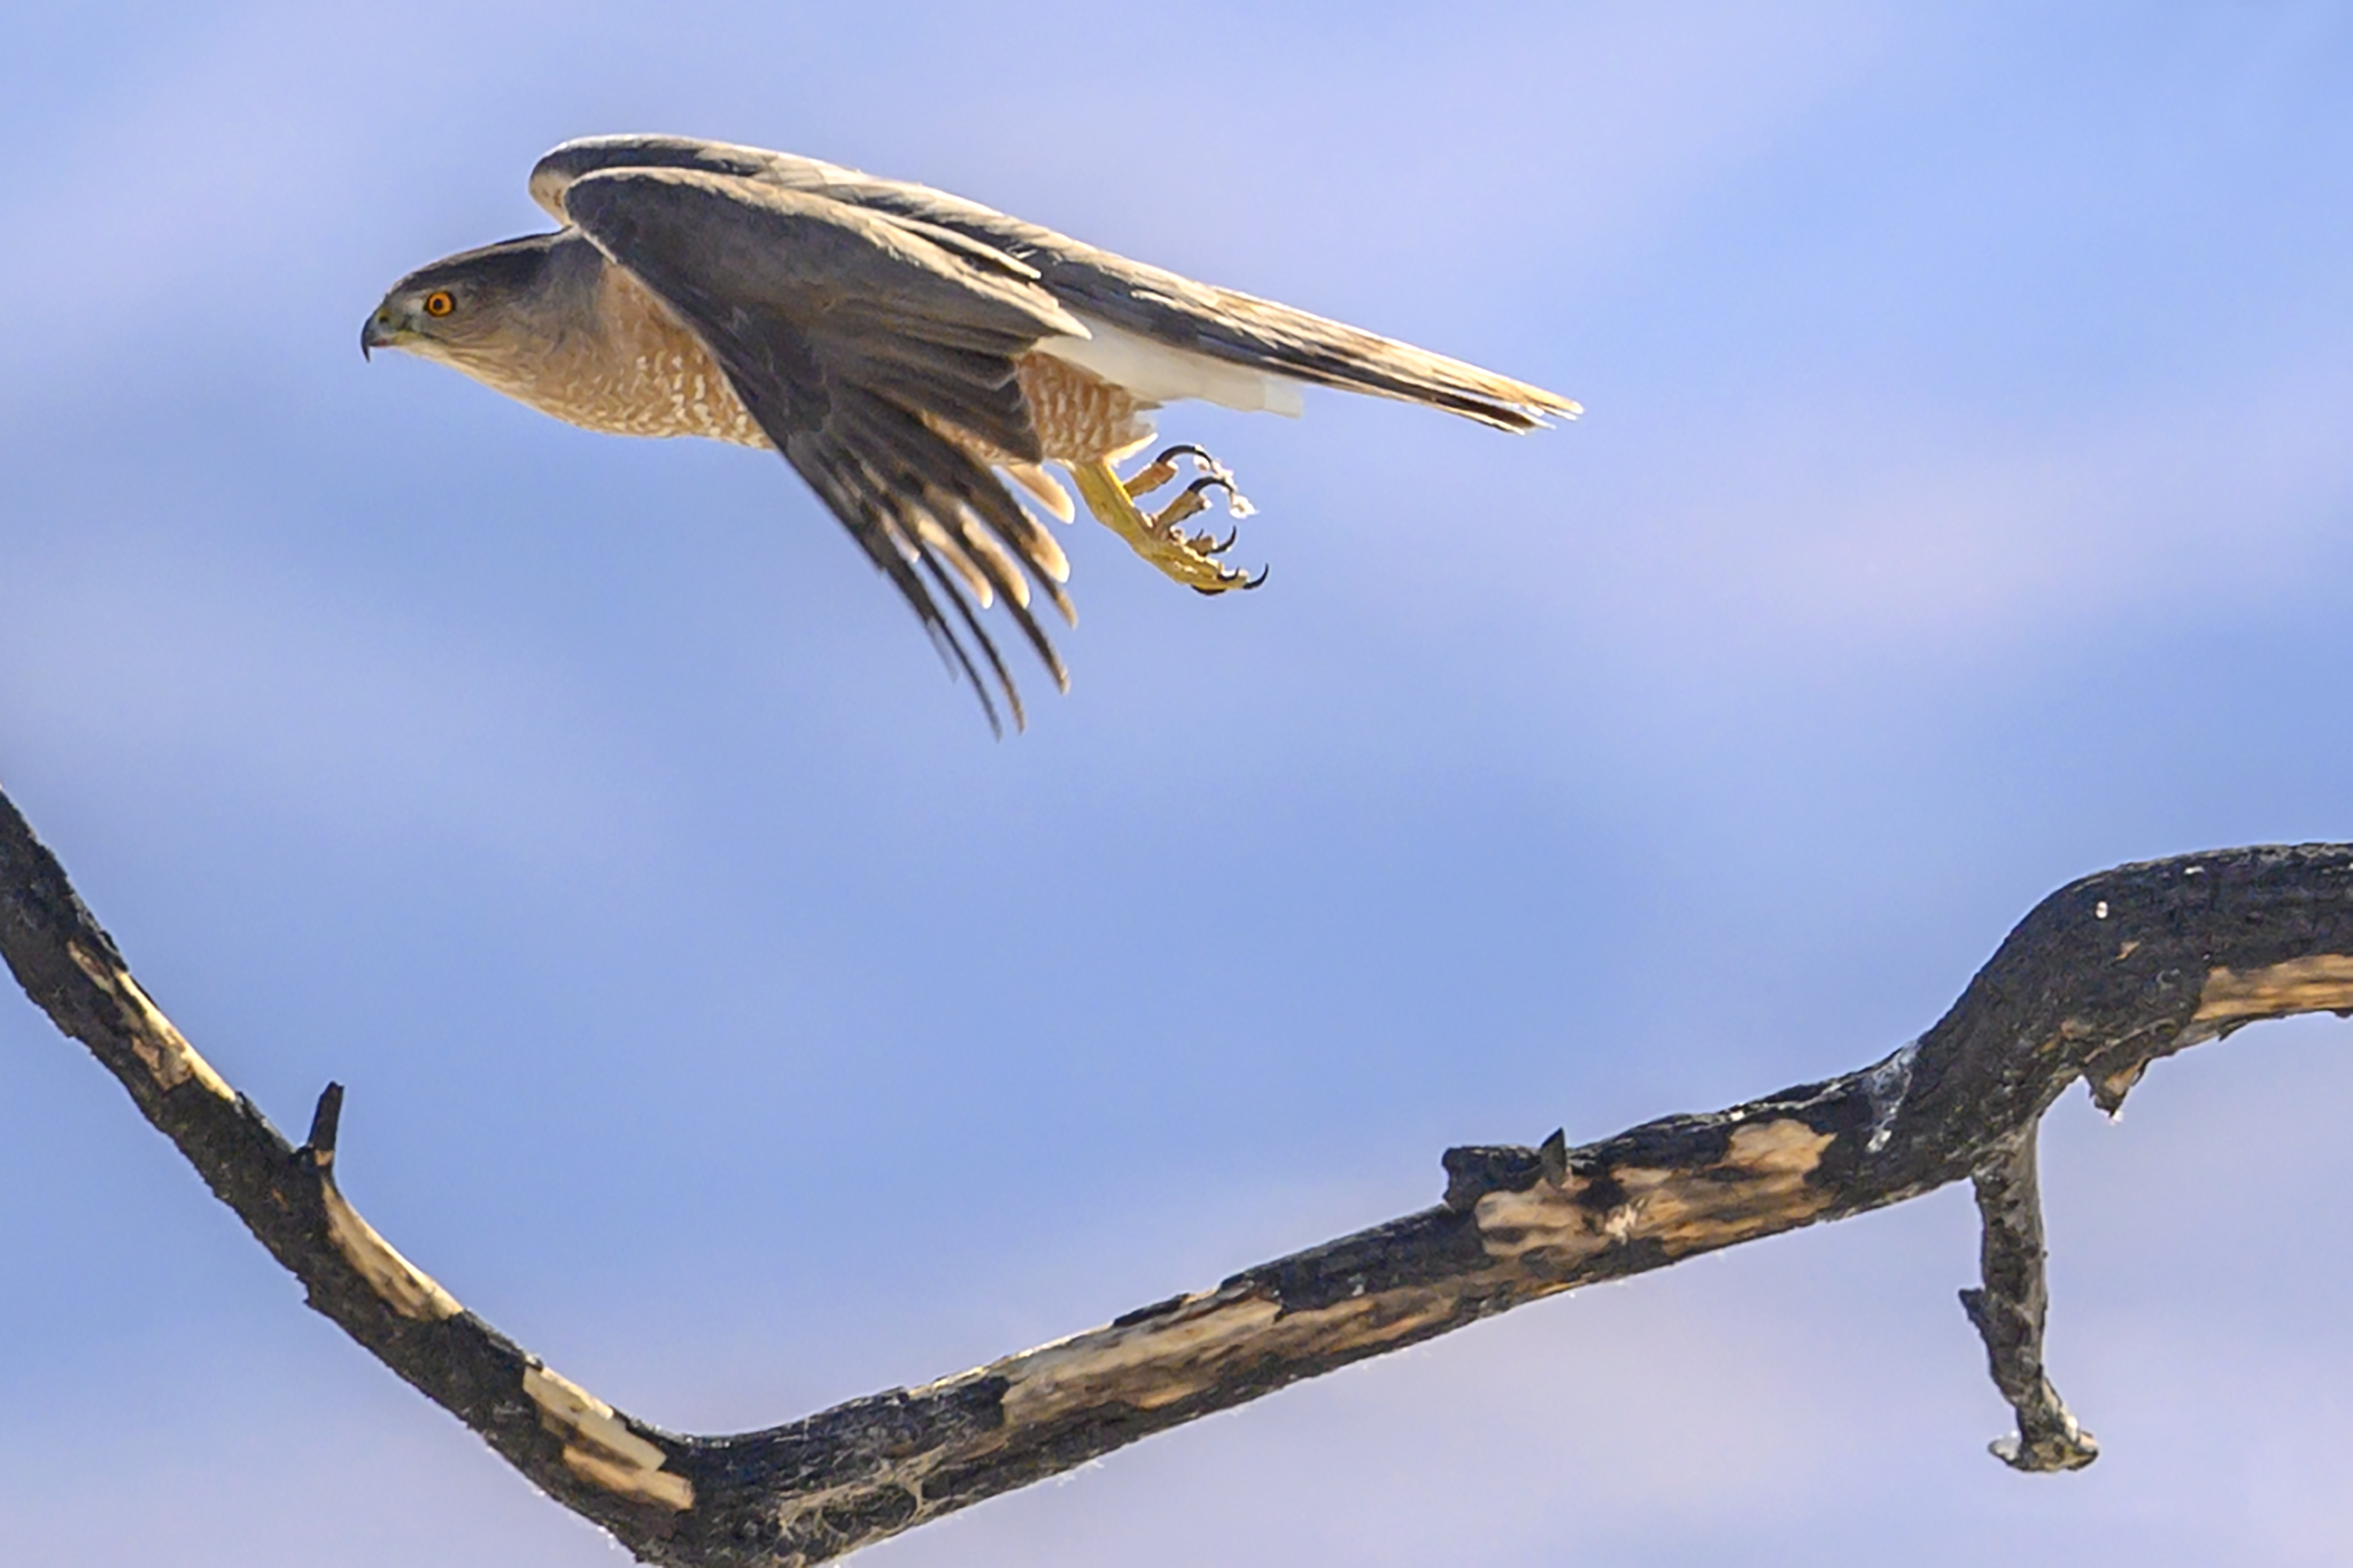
2102, 978
2008, 1310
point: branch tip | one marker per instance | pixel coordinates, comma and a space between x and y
325, 1122
1552, 1156
2008, 1313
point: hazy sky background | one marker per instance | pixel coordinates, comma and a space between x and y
1965, 504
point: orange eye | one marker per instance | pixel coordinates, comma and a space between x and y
439, 302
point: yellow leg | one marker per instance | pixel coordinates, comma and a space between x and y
1160, 537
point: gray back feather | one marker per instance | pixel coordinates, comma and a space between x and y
1150, 301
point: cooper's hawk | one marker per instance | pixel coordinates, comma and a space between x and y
895, 343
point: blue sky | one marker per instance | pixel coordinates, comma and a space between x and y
1966, 504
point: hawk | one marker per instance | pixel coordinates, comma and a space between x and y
901, 348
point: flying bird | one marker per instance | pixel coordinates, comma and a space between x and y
902, 348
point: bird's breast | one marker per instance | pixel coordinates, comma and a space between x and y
633, 370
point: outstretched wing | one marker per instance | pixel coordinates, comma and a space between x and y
859, 341
1176, 312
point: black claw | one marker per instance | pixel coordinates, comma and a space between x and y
1231, 534
1230, 581
1186, 449
1206, 480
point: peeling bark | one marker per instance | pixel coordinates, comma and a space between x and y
2104, 977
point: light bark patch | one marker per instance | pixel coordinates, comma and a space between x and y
599, 1448
169, 1061
1137, 1361
397, 1283
1759, 1186
1156, 1362
2322, 983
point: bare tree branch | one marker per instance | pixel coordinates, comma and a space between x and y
2007, 1311
2101, 978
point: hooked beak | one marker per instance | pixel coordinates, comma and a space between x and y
377, 333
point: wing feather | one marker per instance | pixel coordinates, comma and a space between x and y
853, 339
1199, 318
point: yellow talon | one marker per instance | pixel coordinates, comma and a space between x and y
1149, 478
1160, 538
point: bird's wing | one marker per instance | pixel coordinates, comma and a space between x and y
1191, 317
855, 340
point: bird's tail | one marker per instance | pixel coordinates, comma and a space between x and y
1255, 331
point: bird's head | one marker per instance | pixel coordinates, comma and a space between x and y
463, 309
